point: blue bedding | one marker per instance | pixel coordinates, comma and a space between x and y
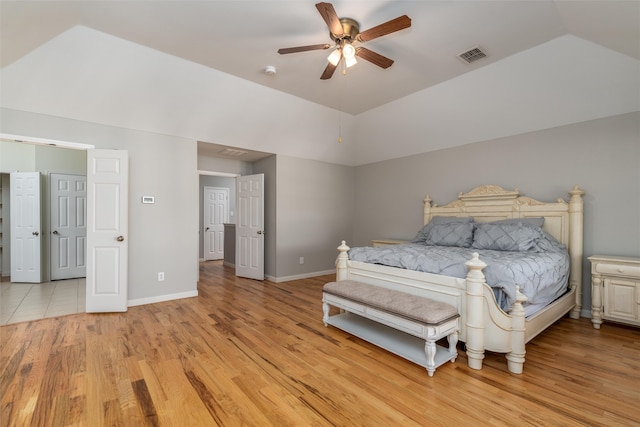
541, 270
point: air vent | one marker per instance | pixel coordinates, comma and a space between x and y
233, 152
472, 55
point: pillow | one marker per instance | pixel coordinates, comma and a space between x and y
497, 236
450, 234
422, 235
536, 221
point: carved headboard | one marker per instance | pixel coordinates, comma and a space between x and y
563, 220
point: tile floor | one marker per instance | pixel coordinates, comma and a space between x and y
20, 302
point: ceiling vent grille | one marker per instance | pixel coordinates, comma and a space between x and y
472, 55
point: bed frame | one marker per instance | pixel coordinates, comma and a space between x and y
483, 325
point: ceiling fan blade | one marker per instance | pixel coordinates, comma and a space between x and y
400, 23
373, 57
303, 48
328, 72
330, 16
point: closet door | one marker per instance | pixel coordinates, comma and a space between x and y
26, 233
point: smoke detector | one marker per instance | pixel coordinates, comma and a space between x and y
270, 70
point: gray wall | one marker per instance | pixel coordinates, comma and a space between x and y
314, 213
602, 156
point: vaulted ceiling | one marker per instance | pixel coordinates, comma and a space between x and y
241, 38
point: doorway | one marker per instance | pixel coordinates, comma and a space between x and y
31, 301
221, 182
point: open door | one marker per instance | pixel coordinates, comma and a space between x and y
26, 233
250, 226
107, 230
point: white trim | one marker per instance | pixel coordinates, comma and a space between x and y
44, 141
161, 298
299, 276
210, 173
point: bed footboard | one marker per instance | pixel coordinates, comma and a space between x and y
483, 325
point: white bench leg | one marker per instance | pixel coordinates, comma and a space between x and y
325, 311
430, 350
453, 343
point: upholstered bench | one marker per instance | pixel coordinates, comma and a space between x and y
405, 324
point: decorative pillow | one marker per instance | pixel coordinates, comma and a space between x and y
422, 235
518, 236
450, 234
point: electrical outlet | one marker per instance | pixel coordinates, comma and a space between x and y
301, 260
160, 276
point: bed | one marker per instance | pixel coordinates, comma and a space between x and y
486, 324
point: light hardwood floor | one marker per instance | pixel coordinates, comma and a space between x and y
257, 354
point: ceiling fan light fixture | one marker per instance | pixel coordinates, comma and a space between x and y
350, 61
348, 50
335, 56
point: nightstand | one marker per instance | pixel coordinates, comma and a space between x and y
615, 289
386, 242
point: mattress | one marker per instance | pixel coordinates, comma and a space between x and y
541, 275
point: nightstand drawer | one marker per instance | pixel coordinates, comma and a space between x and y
618, 270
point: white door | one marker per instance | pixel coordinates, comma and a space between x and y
216, 214
107, 230
68, 197
250, 226
26, 237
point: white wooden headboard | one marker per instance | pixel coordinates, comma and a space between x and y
563, 220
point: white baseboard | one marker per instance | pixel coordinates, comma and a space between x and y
161, 298
299, 276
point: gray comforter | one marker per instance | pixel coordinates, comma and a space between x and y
542, 275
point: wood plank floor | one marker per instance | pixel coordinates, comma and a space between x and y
250, 353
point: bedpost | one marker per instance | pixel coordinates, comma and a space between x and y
426, 213
341, 262
515, 358
576, 228
475, 312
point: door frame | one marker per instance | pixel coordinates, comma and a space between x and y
209, 173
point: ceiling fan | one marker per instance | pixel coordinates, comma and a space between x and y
345, 32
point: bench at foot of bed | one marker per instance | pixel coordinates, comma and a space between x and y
404, 324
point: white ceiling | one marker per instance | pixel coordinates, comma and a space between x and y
241, 38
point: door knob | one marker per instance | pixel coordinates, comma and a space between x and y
35, 233
120, 239
261, 232
206, 229
55, 232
